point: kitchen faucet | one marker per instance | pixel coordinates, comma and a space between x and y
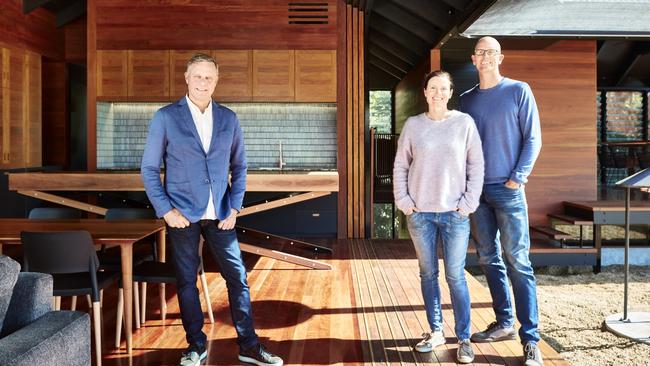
281, 162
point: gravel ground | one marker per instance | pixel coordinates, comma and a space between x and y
573, 306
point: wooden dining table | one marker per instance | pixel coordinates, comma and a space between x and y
121, 233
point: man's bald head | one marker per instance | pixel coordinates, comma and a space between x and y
488, 43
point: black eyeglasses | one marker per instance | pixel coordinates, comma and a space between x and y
481, 52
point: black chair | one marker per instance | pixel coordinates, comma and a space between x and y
52, 213
150, 271
71, 259
47, 213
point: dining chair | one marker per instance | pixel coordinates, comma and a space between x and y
52, 213
48, 213
151, 271
70, 257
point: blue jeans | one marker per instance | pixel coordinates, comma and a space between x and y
501, 222
453, 231
225, 250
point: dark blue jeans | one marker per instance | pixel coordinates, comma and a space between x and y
501, 223
225, 249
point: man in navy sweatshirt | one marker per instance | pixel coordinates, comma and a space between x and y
508, 122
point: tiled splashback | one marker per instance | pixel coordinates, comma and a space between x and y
307, 132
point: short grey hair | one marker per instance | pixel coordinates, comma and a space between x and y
201, 57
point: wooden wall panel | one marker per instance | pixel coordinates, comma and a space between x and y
16, 85
56, 129
75, 41
35, 31
273, 75
349, 119
112, 73
31, 93
315, 76
341, 120
148, 74
5, 104
93, 76
235, 75
563, 79
409, 94
208, 24
356, 195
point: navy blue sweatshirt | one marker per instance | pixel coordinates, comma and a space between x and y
508, 122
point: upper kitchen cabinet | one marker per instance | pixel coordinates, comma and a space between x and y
177, 68
273, 75
315, 76
112, 74
235, 75
20, 108
148, 75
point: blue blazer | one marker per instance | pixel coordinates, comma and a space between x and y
190, 173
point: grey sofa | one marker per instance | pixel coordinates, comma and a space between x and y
30, 332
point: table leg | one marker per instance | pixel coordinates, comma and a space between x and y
126, 251
598, 245
161, 244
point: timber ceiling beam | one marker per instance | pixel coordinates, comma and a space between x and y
386, 67
394, 47
71, 12
432, 11
382, 54
31, 5
457, 4
398, 34
405, 19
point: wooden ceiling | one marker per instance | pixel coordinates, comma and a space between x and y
399, 34
66, 10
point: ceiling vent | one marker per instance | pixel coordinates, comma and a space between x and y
308, 13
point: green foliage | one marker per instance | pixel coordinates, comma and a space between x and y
381, 110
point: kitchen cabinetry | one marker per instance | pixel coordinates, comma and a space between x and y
273, 75
235, 75
244, 75
315, 76
148, 75
20, 108
112, 70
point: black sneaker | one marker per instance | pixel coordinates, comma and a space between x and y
494, 333
194, 355
532, 355
258, 355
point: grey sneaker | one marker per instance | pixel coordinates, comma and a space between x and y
494, 333
194, 355
430, 341
532, 355
258, 355
465, 353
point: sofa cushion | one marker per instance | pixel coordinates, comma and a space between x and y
31, 299
9, 270
56, 338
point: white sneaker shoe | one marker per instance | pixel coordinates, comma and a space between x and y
430, 341
532, 355
465, 353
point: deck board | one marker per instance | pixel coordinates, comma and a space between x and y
367, 310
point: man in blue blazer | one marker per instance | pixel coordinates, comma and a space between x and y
200, 143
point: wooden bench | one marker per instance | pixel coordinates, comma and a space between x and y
573, 220
552, 233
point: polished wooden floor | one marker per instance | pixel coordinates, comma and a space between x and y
367, 310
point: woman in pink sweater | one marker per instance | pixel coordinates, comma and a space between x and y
437, 181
